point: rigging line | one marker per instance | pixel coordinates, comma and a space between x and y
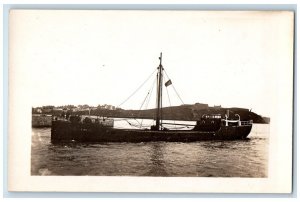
131, 124
141, 108
120, 119
146, 97
177, 94
170, 103
144, 101
150, 93
149, 101
146, 106
174, 88
168, 96
137, 121
176, 128
137, 88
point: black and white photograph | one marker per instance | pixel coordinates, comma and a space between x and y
161, 95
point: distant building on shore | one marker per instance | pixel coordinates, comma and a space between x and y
217, 106
198, 106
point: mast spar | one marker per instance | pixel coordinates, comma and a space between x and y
159, 94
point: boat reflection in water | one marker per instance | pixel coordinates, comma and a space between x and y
157, 166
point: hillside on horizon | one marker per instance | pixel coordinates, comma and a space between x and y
188, 112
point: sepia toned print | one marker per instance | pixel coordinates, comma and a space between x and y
77, 126
185, 94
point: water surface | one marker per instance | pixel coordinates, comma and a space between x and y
240, 158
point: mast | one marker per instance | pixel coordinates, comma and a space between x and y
159, 94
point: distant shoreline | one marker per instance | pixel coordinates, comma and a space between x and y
183, 112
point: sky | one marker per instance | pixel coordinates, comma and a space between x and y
94, 57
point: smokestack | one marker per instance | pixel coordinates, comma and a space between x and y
227, 113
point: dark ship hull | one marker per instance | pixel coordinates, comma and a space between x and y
63, 131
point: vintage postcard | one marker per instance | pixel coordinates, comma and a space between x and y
150, 101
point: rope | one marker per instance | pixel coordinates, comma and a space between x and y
131, 124
149, 95
177, 128
168, 96
141, 107
170, 103
146, 107
144, 101
134, 125
121, 119
137, 89
148, 100
147, 104
150, 91
174, 88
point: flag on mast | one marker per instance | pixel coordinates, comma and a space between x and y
168, 83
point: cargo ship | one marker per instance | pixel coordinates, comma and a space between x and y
101, 129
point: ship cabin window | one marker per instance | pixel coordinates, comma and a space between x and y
213, 116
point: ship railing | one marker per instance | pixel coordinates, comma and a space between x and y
246, 123
211, 116
238, 122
